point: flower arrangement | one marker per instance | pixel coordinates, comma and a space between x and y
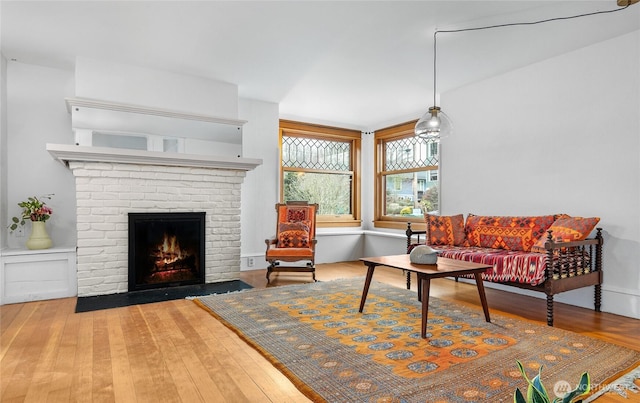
33, 209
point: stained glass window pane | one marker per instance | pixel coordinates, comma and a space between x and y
410, 153
302, 152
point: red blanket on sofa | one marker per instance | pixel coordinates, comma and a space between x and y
515, 266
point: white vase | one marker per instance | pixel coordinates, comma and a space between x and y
39, 239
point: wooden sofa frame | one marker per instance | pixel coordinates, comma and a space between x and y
565, 272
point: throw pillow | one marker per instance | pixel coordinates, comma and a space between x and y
445, 230
293, 234
506, 232
297, 213
567, 230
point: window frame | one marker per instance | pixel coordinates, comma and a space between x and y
313, 131
397, 132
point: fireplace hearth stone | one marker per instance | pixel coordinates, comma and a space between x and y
98, 302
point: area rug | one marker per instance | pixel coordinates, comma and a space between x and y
315, 335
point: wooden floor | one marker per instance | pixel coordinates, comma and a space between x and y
176, 352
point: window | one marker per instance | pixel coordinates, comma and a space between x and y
406, 183
321, 164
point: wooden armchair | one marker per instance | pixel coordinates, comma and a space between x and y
295, 238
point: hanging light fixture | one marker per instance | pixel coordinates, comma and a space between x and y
435, 124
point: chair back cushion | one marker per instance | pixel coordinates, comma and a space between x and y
296, 225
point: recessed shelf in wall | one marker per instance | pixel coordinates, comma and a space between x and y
117, 125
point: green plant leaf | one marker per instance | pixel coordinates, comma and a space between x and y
536, 393
584, 386
518, 397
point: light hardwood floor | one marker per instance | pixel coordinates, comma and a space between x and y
176, 352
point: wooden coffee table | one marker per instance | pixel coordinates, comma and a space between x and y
425, 272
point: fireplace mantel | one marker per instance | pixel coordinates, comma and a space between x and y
66, 152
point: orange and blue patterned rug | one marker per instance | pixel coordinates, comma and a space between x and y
315, 335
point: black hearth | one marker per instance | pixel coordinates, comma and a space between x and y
165, 250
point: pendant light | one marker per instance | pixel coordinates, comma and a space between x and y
435, 124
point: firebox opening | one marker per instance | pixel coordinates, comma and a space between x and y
166, 250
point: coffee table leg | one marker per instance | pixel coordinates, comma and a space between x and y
426, 284
483, 297
367, 283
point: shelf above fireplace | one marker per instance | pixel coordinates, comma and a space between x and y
116, 125
65, 153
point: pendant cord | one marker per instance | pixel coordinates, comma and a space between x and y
508, 25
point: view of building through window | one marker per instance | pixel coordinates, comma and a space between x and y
407, 180
416, 192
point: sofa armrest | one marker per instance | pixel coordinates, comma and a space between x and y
569, 259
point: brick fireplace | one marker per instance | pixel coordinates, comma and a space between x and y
110, 184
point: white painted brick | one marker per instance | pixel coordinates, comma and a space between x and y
117, 188
103, 181
104, 196
90, 218
116, 203
94, 242
160, 196
117, 174
131, 196
146, 175
93, 234
105, 211
80, 172
88, 282
89, 203
82, 195
127, 167
103, 227
103, 244
100, 166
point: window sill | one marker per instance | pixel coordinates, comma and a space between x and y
416, 224
338, 223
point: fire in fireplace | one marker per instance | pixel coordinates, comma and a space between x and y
165, 250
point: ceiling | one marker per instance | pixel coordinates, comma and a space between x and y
359, 64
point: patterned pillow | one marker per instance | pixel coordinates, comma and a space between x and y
506, 232
297, 213
445, 230
568, 229
293, 234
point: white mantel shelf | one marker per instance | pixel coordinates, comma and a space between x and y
67, 152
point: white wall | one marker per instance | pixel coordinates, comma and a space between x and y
260, 187
560, 136
36, 115
3, 150
108, 81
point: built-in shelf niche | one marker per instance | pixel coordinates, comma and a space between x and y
98, 123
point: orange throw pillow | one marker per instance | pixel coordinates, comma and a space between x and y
445, 230
506, 232
568, 230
